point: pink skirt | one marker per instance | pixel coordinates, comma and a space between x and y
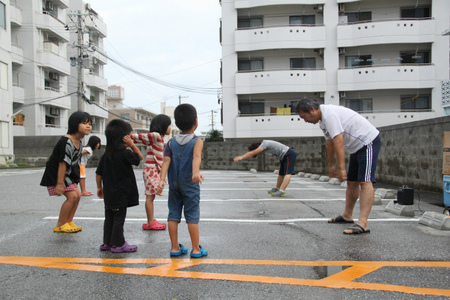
52, 189
151, 181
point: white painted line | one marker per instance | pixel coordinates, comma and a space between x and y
250, 200
245, 220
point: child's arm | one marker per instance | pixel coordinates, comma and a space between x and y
147, 139
59, 189
196, 162
249, 154
129, 142
162, 177
98, 179
84, 152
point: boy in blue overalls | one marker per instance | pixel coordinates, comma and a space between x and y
182, 159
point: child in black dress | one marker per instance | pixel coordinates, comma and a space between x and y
116, 183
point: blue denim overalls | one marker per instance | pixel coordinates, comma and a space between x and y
182, 191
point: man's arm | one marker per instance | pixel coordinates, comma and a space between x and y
338, 145
249, 154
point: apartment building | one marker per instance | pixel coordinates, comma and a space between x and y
6, 88
388, 60
42, 40
92, 57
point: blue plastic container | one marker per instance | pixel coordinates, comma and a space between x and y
446, 180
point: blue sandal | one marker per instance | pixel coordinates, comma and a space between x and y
202, 253
183, 250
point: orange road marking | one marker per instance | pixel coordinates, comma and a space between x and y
173, 268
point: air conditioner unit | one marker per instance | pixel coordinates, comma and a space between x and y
341, 7
54, 111
320, 8
49, 5
341, 94
53, 76
341, 51
320, 51
95, 60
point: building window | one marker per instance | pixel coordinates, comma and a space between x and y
416, 12
4, 135
2, 16
3, 76
251, 108
125, 116
255, 64
359, 17
360, 105
415, 57
303, 63
415, 102
360, 60
251, 22
302, 20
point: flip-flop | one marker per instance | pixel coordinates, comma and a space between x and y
183, 250
340, 219
356, 229
87, 194
202, 253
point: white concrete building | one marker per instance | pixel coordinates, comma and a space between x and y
6, 88
40, 67
386, 59
95, 84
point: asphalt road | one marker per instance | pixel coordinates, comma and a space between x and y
259, 247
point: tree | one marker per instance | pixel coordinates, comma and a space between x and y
214, 136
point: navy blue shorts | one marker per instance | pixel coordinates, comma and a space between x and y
287, 164
363, 163
187, 198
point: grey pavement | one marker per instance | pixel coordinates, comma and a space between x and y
252, 240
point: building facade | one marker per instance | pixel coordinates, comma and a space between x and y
388, 60
6, 87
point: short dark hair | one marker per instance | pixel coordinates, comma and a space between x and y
185, 115
159, 124
253, 146
115, 131
76, 119
93, 141
306, 105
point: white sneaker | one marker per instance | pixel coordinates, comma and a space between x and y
274, 190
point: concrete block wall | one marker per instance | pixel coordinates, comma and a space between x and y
411, 154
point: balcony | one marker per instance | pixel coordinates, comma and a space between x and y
386, 32
271, 126
15, 15
255, 3
285, 81
18, 93
53, 61
61, 3
94, 80
96, 55
48, 22
387, 77
97, 24
288, 37
51, 93
17, 54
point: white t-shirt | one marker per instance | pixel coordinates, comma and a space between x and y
84, 158
357, 131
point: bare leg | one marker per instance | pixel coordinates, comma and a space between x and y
285, 183
195, 237
365, 203
69, 207
149, 208
351, 196
279, 181
173, 234
83, 185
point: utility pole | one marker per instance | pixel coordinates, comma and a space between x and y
212, 120
179, 98
80, 63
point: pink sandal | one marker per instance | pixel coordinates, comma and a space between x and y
155, 225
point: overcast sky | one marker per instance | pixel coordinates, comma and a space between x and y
176, 41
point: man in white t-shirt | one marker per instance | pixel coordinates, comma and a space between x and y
346, 130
